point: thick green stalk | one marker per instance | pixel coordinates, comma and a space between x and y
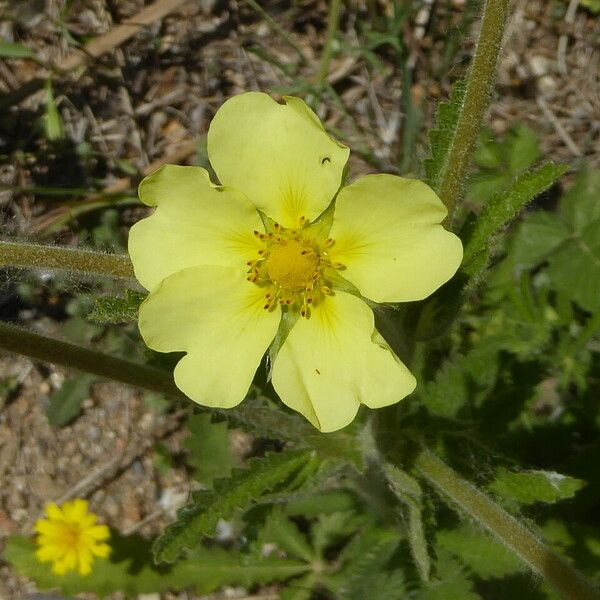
333, 22
16, 254
479, 87
251, 414
513, 534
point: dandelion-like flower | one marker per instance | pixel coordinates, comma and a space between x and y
70, 538
279, 257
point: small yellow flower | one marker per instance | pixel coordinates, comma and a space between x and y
280, 248
70, 538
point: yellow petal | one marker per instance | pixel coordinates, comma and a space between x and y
98, 532
330, 364
75, 510
100, 550
54, 512
278, 155
217, 317
388, 234
48, 552
195, 223
48, 528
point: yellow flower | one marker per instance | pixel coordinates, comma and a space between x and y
228, 267
70, 538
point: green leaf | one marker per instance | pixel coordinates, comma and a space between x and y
278, 529
568, 241
529, 487
452, 582
462, 381
478, 551
200, 517
504, 206
300, 588
53, 124
538, 235
130, 571
117, 310
366, 575
15, 50
440, 137
209, 449
501, 160
65, 403
408, 492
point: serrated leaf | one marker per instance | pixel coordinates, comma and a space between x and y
200, 517
504, 206
115, 310
441, 136
131, 572
501, 160
65, 403
209, 449
278, 529
367, 576
321, 503
451, 581
299, 589
408, 492
529, 487
539, 234
478, 551
15, 50
462, 381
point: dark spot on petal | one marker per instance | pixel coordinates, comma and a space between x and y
325, 160
317, 371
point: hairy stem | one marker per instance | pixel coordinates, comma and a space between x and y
251, 414
480, 83
513, 534
333, 21
16, 254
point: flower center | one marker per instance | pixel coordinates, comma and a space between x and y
292, 264
293, 267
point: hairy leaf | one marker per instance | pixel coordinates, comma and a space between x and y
200, 517
366, 576
278, 529
113, 309
209, 449
478, 551
529, 487
504, 206
441, 136
408, 492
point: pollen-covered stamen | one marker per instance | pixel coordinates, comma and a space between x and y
293, 268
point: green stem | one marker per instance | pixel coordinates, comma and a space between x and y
252, 414
16, 254
46, 349
333, 21
479, 87
572, 584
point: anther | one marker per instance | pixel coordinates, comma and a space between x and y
276, 226
329, 242
326, 290
302, 221
338, 265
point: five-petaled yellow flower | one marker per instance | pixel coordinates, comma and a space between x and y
70, 538
278, 247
